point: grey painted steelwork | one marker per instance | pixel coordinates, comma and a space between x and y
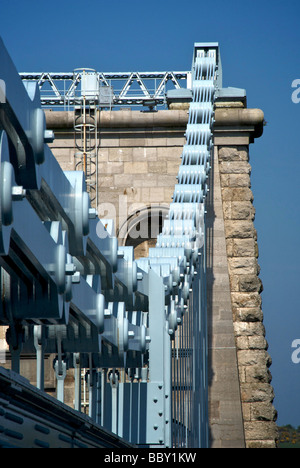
110, 89
29, 418
138, 326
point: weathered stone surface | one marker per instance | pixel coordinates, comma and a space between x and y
120, 154
159, 167
137, 167
249, 328
142, 164
259, 430
262, 412
240, 210
257, 342
234, 167
258, 373
245, 314
252, 299
252, 357
241, 242
234, 153
144, 154
263, 444
237, 194
245, 283
226, 420
235, 180
257, 392
240, 229
243, 247
250, 283
242, 266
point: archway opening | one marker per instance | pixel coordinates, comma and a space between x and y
142, 228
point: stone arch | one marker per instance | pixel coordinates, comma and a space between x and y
142, 227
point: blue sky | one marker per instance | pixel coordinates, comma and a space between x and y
260, 46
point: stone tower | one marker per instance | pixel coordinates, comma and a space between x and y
138, 160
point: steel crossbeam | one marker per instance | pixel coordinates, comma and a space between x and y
129, 88
68, 288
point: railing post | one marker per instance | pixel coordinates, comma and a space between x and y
77, 375
159, 385
39, 343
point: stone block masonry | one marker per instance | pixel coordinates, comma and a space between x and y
259, 415
139, 156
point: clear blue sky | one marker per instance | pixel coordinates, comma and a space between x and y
260, 48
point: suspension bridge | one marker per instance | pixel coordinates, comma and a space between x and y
138, 327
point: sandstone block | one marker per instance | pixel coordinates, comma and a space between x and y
239, 229
229, 247
147, 180
235, 180
144, 154
110, 167
249, 328
233, 153
260, 430
237, 194
169, 153
156, 194
109, 141
145, 194
164, 180
248, 299
252, 314
120, 154
257, 392
262, 411
234, 167
261, 444
136, 167
168, 194
131, 142
243, 247
255, 357
242, 266
257, 342
243, 210
251, 343
105, 181
103, 154
158, 167
176, 141
123, 180
250, 283
242, 342
173, 166
234, 283
257, 373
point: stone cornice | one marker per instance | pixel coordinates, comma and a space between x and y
228, 121
236, 120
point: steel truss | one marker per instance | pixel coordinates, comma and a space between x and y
138, 326
132, 88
